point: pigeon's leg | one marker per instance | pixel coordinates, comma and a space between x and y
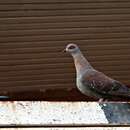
101, 100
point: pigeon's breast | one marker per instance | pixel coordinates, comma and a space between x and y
86, 89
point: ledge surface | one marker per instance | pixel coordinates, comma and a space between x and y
63, 113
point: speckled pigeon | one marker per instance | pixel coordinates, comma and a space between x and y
94, 83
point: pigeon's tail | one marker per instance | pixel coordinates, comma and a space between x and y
126, 92
123, 94
124, 97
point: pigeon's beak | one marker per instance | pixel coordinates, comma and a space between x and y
64, 50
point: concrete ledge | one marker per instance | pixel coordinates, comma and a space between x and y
51, 113
63, 113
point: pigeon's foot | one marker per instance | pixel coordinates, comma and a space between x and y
102, 100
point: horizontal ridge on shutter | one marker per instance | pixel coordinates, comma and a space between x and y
33, 34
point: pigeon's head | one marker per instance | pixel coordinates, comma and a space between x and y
72, 48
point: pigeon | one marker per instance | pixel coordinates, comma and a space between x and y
94, 83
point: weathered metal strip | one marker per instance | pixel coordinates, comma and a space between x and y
78, 128
118, 113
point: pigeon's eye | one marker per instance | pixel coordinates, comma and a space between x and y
71, 47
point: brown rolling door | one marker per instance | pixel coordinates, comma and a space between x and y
34, 32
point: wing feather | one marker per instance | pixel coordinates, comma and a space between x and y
100, 83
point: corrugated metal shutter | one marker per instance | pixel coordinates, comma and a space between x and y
34, 32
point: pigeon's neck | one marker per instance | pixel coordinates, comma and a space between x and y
81, 63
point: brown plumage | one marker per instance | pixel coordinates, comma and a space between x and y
94, 83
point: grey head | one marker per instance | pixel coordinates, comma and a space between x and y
81, 63
72, 49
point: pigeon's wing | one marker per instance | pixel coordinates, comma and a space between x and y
100, 83
119, 89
